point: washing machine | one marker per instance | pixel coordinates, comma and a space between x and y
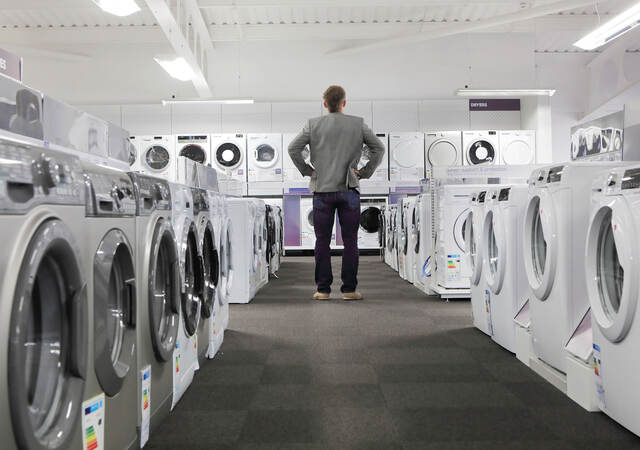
260, 239
229, 155
264, 162
185, 354
555, 230
423, 248
244, 254
378, 183
158, 300
452, 221
442, 149
396, 232
406, 157
611, 267
289, 171
388, 234
275, 233
228, 269
215, 326
157, 156
370, 222
44, 356
480, 147
307, 232
195, 147
504, 274
109, 253
475, 255
517, 147
405, 260
208, 249
133, 159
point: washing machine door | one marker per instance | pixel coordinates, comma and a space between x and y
494, 230
192, 284
195, 153
406, 156
164, 290
133, 154
473, 244
156, 158
415, 225
461, 227
211, 269
612, 253
227, 269
518, 151
47, 348
481, 152
265, 156
370, 219
540, 243
442, 153
228, 156
114, 311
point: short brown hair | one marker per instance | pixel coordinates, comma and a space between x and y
334, 96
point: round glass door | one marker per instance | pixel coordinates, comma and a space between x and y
406, 155
228, 156
192, 284
195, 153
211, 263
114, 309
611, 253
517, 152
481, 152
442, 153
157, 158
164, 290
47, 347
265, 156
370, 219
460, 229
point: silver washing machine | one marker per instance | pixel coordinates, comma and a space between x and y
208, 250
158, 300
44, 322
109, 258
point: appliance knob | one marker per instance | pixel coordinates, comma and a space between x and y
50, 171
117, 195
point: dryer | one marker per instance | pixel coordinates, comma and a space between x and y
157, 156
229, 155
185, 354
555, 230
196, 147
480, 147
475, 256
134, 154
442, 149
158, 300
406, 157
109, 254
504, 267
517, 147
371, 222
289, 171
43, 302
379, 181
243, 254
452, 222
264, 161
611, 267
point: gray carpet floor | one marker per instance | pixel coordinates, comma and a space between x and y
396, 371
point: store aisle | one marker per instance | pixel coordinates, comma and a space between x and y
397, 370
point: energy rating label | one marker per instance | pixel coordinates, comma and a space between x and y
145, 404
93, 423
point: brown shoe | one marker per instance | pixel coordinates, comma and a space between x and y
350, 296
321, 296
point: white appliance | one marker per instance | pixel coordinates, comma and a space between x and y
517, 147
307, 232
227, 270
406, 240
185, 354
555, 230
260, 238
369, 231
406, 157
217, 217
424, 255
229, 155
264, 157
480, 147
442, 149
504, 266
475, 255
378, 183
243, 254
289, 171
275, 234
134, 154
196, 147
157, 156
611, 267
396, 234
452, 270
386, 236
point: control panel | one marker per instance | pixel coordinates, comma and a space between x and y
151, 194
109, 192
200, 200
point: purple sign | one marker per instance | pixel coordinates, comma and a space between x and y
10, 65
494, 104
291, 207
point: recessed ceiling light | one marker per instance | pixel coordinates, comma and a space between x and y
176, 67
231, 101
504, 92
118, 7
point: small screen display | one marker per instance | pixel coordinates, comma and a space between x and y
481, 196
504, 195
555, 174
631, 179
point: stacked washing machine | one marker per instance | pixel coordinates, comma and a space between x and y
371, 221
264, 164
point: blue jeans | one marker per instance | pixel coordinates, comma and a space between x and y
325, 205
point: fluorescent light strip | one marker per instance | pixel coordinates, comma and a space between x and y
611, 30
505, 92
239, 101
119, 8
177, 68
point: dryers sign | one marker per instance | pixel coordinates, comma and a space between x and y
494, 104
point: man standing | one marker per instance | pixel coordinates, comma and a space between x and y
335, 143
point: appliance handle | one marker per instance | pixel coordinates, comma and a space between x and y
79, 334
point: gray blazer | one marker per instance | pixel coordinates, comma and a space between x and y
335, 142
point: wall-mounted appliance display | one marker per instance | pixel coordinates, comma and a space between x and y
229, 155
442, 148
406, 157
480, 147
517, 147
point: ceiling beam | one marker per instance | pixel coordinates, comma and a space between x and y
466, 27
